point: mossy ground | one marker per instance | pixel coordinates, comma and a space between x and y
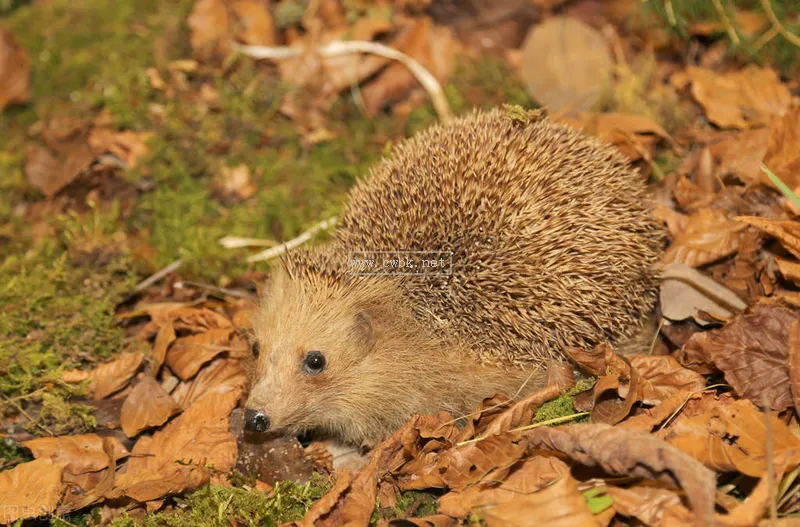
62, 274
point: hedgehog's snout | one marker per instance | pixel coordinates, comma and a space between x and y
255, 420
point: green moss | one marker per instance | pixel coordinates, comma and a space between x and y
218, 506
563, 405
426, 504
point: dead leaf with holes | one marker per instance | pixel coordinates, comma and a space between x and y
752, 351
77, 454
30, 490
147, 405
174, 458
740, 99
111, 376
709, 236
14, 71
732, 438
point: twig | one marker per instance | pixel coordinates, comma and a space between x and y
765, 38
726, 22
291, 244
223, 291
670, 13
339, 47
235, 242
773, 498
791, 37
554, 421
21, 410
152, 279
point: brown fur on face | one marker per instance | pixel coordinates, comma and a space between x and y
380, 362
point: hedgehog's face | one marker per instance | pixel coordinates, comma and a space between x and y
312, 356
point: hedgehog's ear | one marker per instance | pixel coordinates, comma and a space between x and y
363, 330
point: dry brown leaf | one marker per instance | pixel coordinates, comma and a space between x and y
648, 418
130, 147
691, 197
740, 99
257, 27
77, 454
29, 490
209, 26
741, 154
709, 236
661, 377
14, 71
752, 351
560, 374
783, 151
732, 438
566, 65
325, 505
786, 231
196, 438
675, 221
789, 269
164, 337
529, 476
188, 354
146, 406
651, 505
631, 453
50, 173
86, 489
220, 376
560, 505
595, 362
794, 364
109, 377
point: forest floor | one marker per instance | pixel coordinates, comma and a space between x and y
134, 139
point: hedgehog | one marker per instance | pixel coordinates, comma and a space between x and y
483, 247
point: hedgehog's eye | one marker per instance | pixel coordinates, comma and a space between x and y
314, 363
254, 347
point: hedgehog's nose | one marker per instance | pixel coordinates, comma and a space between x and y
255, 420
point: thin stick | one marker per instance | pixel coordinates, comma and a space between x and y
670, 13
152, 279
234, 242
726, 22
291, 244
765, 38
791, 37
214, 289
555, 421
339, 47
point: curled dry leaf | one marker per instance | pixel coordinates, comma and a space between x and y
794, 363
752, 351
566, 65
164, 337
30, 490
786, 231
111, 376
86, 489
174, 458
146, 406
691, 197
733, 438
630, 453
687, 293
77, 454
709, 236
740, 99
14, 71
783, 150
188, 354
